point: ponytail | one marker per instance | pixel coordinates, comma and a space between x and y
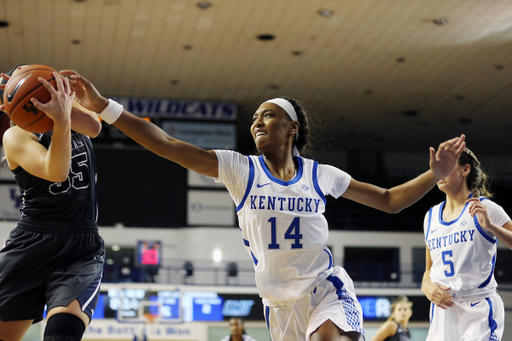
477, 180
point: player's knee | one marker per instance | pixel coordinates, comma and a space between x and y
64, 327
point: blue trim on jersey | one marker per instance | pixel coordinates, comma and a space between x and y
492, 323
246, 242
482, 232
484, 284
338, 284
315, 182
279, 181
330, 258
254, 258
432, 307
455, 220
249, 184
267, 316
429, 222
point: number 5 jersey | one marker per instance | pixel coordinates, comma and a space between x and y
282, 222
463, 252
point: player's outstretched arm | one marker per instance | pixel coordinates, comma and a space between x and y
146, 133
435, 293
397, 198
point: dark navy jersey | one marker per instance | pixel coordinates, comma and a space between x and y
400, 335
72, 200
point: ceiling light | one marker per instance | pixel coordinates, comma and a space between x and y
204, 4
326, 13
266, 37
411, 113
115, 247
440, 21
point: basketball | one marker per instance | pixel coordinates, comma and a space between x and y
20, 88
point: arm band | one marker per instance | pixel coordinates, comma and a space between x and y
111, 112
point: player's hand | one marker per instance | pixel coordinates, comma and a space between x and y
86, 94
444, 160
59, 106
481, 211
437, 294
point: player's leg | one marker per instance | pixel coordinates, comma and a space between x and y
73, 289
336, 312
444, 324
328, 331
483, 319
13, 330
66, 323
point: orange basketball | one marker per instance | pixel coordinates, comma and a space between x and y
20, 88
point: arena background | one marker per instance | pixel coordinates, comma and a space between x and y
383, 79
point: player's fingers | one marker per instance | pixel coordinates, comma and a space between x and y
47, 85
4, 76
37, 104
58, 82
2, 86
66, 85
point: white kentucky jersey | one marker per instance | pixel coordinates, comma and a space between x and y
282, 222
463, 252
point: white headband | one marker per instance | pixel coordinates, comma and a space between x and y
288, 107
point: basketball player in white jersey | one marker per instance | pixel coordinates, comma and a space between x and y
461, 234
280, 199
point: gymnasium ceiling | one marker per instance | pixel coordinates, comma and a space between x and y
380, 74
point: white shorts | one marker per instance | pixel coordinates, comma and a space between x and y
477, 320
333, 299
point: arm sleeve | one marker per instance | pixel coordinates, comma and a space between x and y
233, 173
333, 181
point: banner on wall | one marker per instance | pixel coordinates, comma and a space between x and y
113, 330
183, 109
10, 201
202, 134
199, 180
210, 208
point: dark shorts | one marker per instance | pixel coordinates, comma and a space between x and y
50, 263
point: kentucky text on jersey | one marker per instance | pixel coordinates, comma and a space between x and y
454, 238
263, 202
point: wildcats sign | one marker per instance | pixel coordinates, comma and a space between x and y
151, 107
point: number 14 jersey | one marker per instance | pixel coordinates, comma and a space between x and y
282, 222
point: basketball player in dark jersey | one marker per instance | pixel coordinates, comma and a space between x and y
54, 256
